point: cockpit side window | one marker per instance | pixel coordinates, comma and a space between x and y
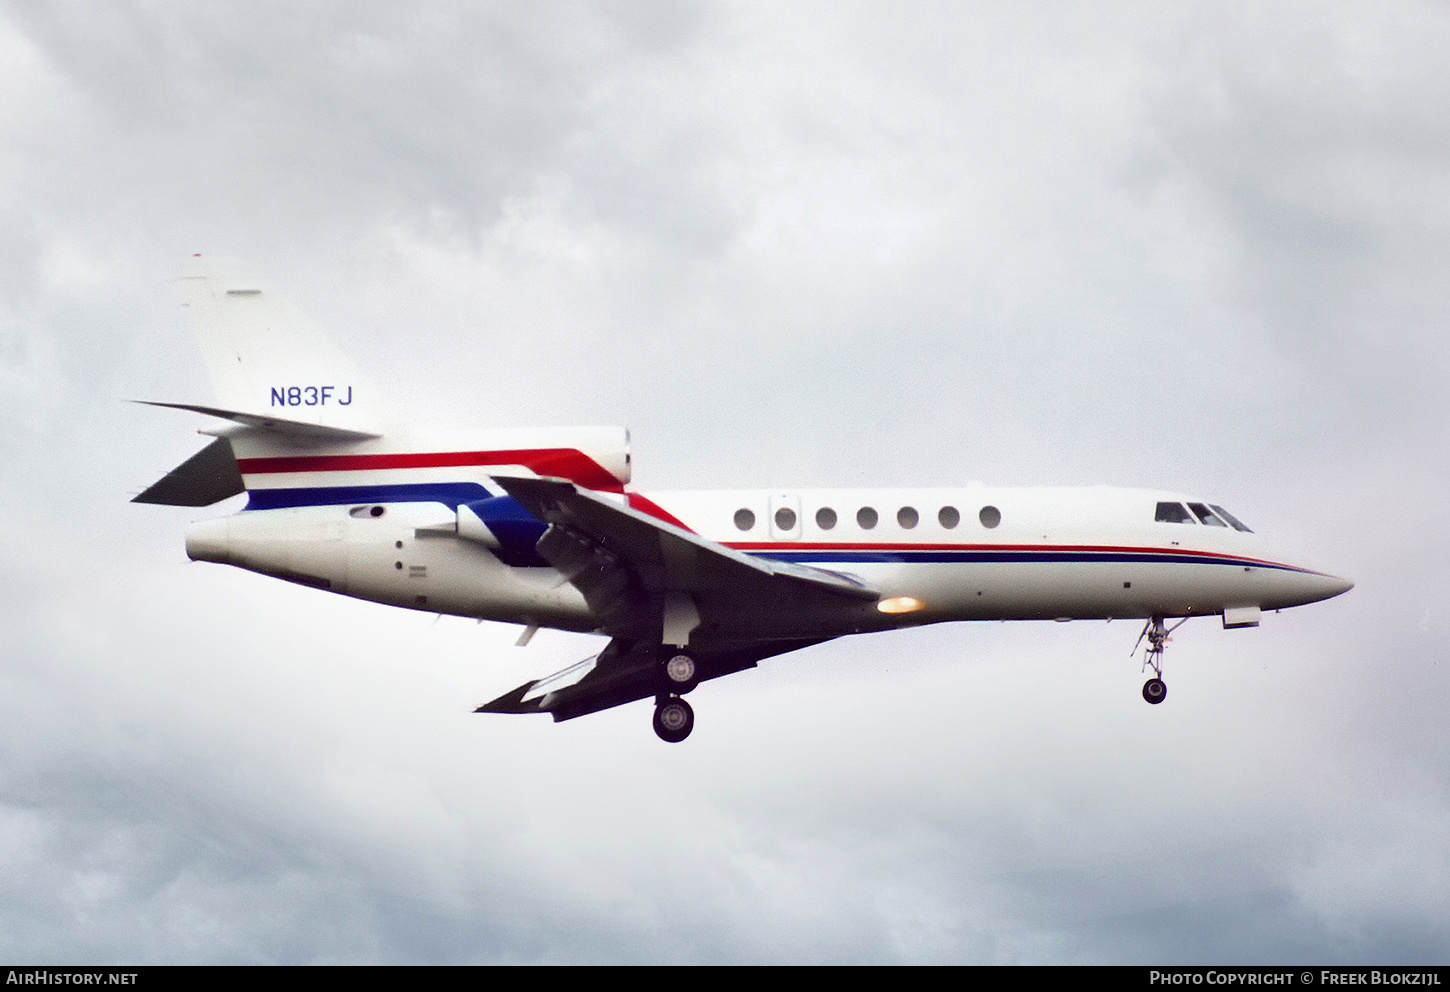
1234, 521
1172, 513
1206, 515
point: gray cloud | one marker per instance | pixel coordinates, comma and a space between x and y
1197, 247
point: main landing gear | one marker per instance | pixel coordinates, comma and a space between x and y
681, 672
1154, 690
674, 719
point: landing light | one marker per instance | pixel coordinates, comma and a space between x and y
900, 604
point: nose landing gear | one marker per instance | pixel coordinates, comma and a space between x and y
1154, 690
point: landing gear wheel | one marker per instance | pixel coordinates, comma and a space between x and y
681, 670
674, 719
1154, 691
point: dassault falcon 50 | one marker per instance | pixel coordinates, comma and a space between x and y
540, 528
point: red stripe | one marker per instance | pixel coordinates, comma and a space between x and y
560, 463
646, 505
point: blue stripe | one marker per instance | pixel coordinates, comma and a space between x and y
516, 529
449, 493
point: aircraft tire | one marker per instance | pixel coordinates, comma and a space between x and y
681, 672
1154, 691
674, 719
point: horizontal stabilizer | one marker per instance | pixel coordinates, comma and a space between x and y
207, 477
267, 421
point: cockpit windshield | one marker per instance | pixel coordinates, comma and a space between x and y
1233, 521
1172, 513
1211, 515
1205, 515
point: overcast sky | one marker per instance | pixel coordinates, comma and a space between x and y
1192, 246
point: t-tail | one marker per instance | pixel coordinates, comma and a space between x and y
303, 426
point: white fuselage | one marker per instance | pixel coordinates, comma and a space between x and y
1050, 553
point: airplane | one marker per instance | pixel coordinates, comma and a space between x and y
540, 528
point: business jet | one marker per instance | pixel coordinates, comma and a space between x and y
540, 528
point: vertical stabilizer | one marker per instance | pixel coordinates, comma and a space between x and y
265, 359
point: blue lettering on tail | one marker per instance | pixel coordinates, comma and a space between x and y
310, 395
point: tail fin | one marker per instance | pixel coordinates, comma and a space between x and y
307, 422
266, 361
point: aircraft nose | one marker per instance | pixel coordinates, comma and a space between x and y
1316, 586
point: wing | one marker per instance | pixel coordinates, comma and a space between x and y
621, 673
652, 584
649, 580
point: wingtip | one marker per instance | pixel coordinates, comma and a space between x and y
511, 702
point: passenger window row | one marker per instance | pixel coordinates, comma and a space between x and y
867, 518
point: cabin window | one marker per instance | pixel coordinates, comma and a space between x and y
825, 518
990, 517
907, 517
866, 517
1206, 515
744, 518
1172, 513
785, 518
1234, 521
366, 511
948, 517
